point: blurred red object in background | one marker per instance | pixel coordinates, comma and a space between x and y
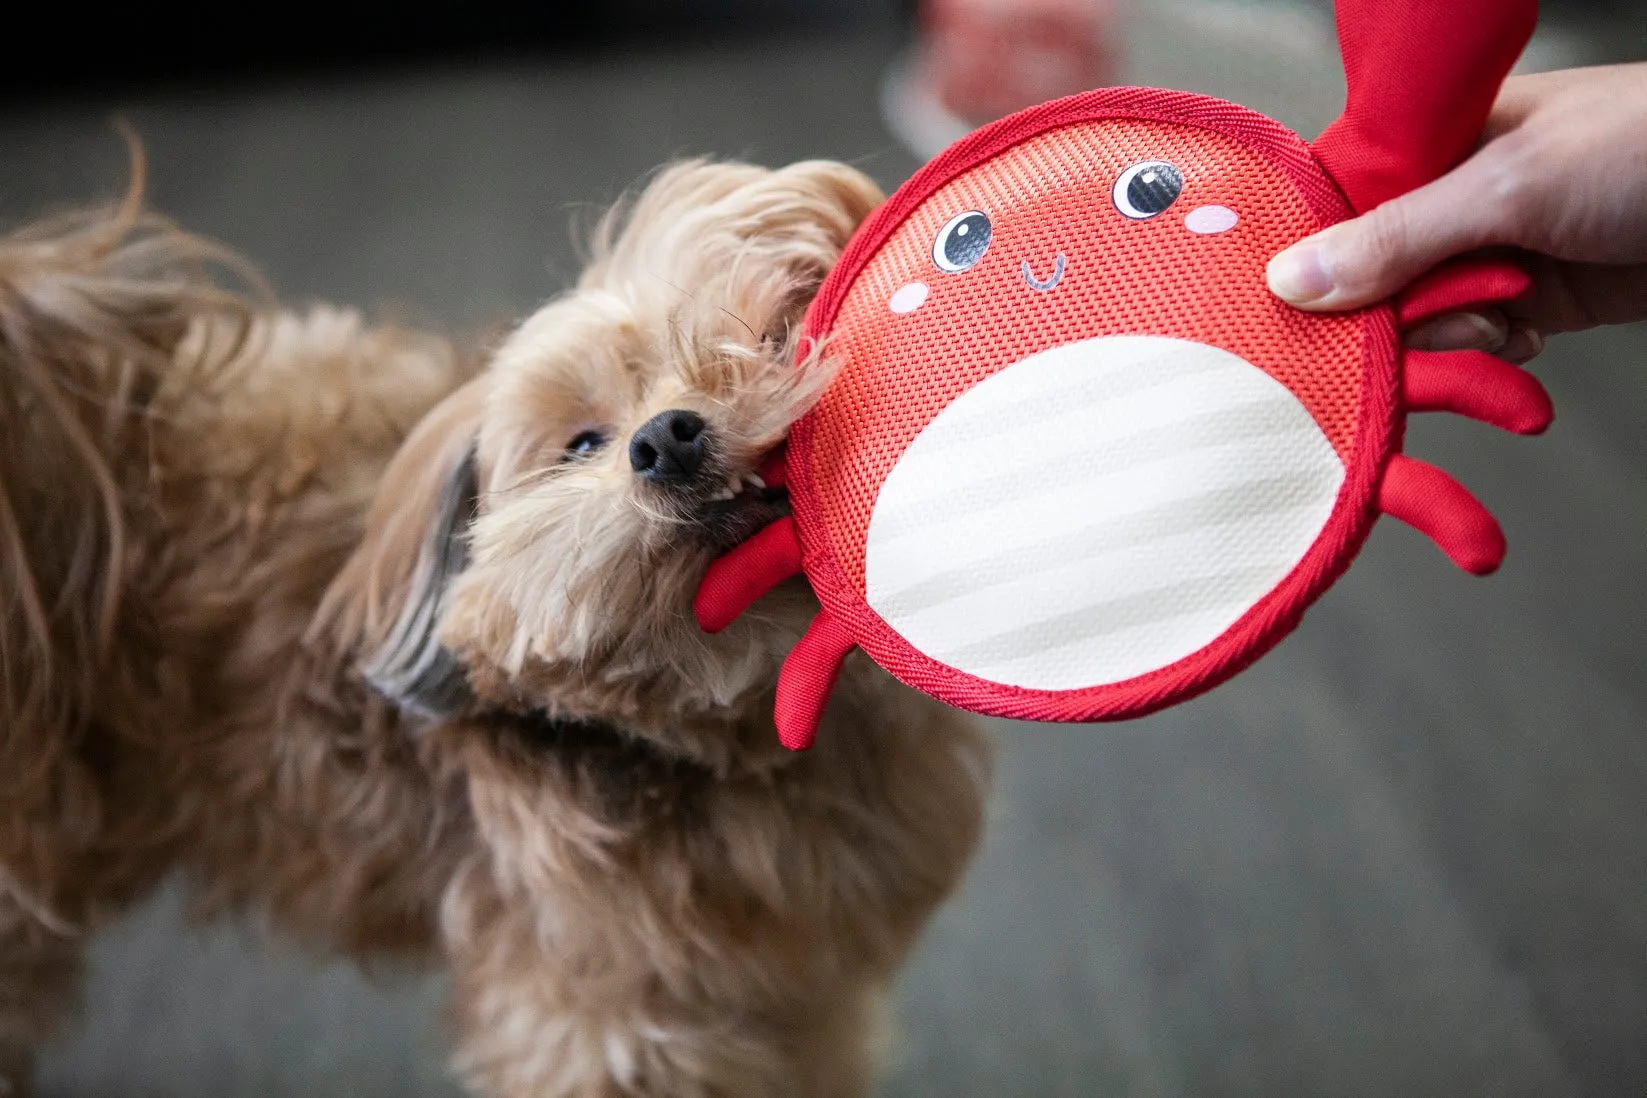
984, 59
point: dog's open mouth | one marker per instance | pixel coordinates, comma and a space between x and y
743, 505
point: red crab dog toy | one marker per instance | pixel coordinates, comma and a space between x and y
1078, 463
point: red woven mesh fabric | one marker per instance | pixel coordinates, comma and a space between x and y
1050, 197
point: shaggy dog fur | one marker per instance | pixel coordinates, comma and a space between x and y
398, 650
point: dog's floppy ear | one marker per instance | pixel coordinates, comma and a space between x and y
758, 240
386, 605
411, 666
804, 215
843, 195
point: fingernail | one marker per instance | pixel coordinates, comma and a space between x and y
1300, 275
1460, 332
1523, 345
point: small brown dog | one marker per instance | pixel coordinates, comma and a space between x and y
400, 651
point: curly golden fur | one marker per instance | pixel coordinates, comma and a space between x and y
330, 620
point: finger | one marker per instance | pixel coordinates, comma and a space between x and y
1485, 330
1368, 258
1523, 345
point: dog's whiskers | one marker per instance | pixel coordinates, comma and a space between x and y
740, 320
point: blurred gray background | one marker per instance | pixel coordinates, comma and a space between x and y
1406, 854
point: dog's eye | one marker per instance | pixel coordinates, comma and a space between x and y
961, 242
1147, 189
584, 444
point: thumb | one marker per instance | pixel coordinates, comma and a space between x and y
1368, 258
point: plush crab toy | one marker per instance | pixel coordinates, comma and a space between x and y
1078, 462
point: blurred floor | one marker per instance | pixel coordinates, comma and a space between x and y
1406, 854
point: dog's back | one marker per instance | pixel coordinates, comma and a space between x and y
182, 470
92, 310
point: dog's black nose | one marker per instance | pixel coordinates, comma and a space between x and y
668, 447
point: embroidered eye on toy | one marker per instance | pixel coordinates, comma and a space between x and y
1078, 462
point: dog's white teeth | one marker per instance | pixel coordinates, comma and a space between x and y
737, 485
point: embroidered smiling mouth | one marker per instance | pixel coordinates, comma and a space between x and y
1050, 281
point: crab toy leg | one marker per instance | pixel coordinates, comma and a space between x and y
734, 582
1468, 383
807, 679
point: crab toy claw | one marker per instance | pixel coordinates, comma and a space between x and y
1422, 76
1392, 138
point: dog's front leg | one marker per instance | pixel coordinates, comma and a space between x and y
534, 1025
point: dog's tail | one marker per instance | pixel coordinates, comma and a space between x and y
98, 311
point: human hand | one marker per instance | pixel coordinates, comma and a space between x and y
1559, 181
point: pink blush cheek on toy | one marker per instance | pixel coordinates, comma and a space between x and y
909, 297
1210, 220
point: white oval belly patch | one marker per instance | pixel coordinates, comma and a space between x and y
1097, 511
